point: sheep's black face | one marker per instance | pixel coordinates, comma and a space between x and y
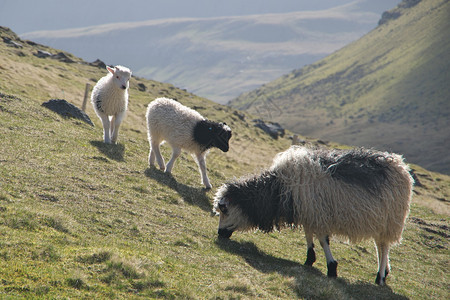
211, 134
223, 137
231, 216
224, 230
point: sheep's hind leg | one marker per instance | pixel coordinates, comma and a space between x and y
202, 166
331, 263
106, 128
311, 254
154, 151
383, 263
175, 153
151, 157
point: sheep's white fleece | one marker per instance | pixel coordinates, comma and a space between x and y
173, 122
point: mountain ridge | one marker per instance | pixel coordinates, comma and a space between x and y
217, 57
372, 91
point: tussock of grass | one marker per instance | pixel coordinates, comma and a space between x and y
96, 258
76, 283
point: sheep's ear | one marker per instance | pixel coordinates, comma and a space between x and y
111, 70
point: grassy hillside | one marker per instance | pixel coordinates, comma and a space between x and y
80, 219
390, 89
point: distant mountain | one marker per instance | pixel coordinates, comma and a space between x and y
219, 57
390, 89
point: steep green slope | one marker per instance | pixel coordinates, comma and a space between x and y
83, 220
390, 89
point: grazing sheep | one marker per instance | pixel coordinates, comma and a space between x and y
183, 128
110, 99
356, 194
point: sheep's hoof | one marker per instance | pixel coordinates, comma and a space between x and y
310, 257
379, 280
332, 269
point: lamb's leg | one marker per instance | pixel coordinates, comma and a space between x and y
175, 153
111, 128
311, 254
154, 151
116, 121
106, 127
331, 263
383, 263
202, 166
151, 157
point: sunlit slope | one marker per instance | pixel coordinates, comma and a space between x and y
390, 89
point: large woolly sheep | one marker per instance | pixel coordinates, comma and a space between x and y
110, 100
356, 194
183, 128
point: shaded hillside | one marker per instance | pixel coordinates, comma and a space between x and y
83, 220
218, 57
389, 90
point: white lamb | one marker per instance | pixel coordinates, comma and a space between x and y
110, 100
183, 128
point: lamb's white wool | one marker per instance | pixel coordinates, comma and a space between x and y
110, 100
357, 194
183, 128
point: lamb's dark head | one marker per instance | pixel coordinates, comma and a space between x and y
212, 134
231, 216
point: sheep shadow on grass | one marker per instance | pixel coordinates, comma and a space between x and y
191, 195
112, 151
309, 282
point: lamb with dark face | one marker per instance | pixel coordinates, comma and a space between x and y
357, 194
210, 134
183, 128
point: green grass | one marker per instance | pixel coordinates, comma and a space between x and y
81, 219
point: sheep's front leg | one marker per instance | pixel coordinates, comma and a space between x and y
331, 263
311, 254
201, 160
106, 128
115, 124
175, 153
383, 263
111, 128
